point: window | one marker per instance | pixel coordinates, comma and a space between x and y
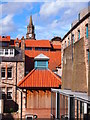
79, 16
79, 34
68, 41
86, 30
11, 52
3, 73
4, 44
41, 63
6, 51
1, 51
65, 44
28, 48
73, 38
3, 92
9, 73
41, 49
9, 93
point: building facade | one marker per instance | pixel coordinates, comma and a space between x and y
73, 100
75, 46
17, 62
11, 72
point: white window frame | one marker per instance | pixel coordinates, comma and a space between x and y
7, 55
1, 73
11, 73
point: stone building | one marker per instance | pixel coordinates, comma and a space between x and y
73, 100
17, 60
75, 52
11, 72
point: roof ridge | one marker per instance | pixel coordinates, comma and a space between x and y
54, 75
26, 77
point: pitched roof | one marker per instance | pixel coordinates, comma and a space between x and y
41, 57
38, 43
56, 46
55, 57
5, 38
40, 78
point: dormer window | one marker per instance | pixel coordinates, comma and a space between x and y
7, 52
41, 62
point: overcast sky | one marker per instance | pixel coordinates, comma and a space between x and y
50, 18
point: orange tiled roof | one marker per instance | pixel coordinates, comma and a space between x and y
55, 57
40, 78
57, 46
37, 43
6, 38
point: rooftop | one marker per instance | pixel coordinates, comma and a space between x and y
40, 78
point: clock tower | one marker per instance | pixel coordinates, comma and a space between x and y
30, 30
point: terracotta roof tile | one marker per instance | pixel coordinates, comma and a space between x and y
6, 38
57, 46
38, 43
54, 57
40, 78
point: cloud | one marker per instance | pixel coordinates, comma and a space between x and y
7, 24
51, 8
14, 7
9, 11
55, 7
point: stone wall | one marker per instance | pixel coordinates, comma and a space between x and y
74, 70
89, 51
67, 68
79, 81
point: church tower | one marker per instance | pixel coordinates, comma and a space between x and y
30, 30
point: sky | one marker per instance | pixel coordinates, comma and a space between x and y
50, 17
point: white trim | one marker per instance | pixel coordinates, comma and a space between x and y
56, 104
68, 107
8, 55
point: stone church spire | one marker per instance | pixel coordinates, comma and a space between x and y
31, 20
30, 30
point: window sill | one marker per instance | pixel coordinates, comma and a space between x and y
3, 78
9, 78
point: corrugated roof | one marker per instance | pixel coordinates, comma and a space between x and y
38, 43
40, 78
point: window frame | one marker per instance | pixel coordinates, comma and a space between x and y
9, 78
78, 34
8, 91
87, 31
1, 73
3, 93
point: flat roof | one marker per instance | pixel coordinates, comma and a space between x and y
78, 95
